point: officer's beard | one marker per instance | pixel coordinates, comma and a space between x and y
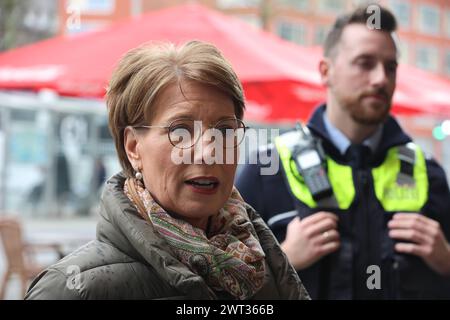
367, 110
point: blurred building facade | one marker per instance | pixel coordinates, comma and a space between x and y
24, 22
55, 154
424, 32
424, 24
56, 151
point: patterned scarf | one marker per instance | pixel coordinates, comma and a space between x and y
230, 258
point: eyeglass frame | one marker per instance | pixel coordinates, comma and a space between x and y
196, 140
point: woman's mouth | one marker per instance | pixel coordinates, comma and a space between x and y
204, 185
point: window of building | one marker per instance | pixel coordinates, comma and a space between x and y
429, 19
404, 49
402, 11
23, 115
447, 62
445, 161
292, 31
320, 34
105, 7
302, 5
227, 4
86, 26
356, 3
251, 19
332, 6
448, 23
427, 57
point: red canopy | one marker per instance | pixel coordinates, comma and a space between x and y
280, 79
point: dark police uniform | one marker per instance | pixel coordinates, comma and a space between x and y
367, 195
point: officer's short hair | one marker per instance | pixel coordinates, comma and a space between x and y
360, 15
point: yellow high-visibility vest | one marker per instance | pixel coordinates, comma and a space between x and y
392, 195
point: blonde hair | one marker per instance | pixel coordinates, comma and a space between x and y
145, 71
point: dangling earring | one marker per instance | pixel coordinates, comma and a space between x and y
138, 175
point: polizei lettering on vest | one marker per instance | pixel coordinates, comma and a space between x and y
401, 193
193, 310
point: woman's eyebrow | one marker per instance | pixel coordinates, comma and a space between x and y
180, 113
226, 118
189, 116
180, 116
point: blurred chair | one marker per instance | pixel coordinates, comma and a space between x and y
20, 256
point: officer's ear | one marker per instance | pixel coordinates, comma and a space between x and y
324, 70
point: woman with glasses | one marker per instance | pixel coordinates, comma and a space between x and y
172, 224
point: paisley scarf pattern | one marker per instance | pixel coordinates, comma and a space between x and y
229, 257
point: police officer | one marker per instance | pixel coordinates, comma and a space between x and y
384, 234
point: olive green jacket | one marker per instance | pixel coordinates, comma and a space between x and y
130, 261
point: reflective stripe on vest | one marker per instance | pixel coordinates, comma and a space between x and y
340, 178
401, 197
391, 195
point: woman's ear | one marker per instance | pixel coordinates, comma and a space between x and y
131, 144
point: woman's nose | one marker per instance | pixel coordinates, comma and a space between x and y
207, 148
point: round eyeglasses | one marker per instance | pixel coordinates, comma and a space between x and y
184, 133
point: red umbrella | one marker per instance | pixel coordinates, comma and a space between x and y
280, 79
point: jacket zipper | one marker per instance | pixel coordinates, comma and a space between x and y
363, 180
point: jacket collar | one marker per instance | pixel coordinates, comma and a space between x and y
392, 135
341, 141
121, 227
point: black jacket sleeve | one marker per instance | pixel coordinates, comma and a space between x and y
249, 184
438, 204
